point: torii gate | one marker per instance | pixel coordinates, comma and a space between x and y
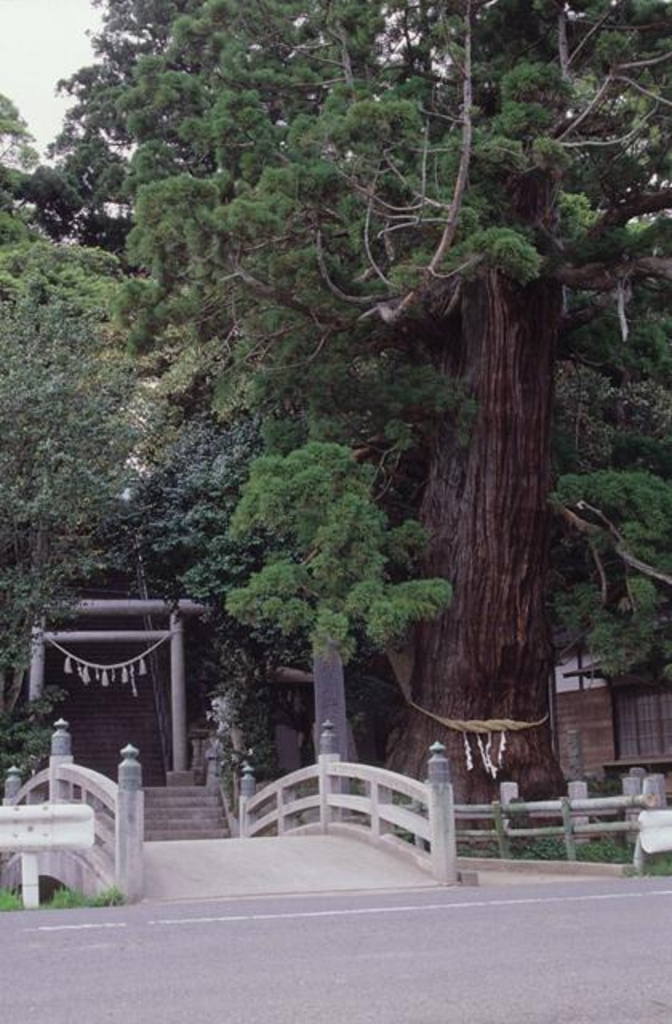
113, 607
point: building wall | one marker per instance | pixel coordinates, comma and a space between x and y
588, 712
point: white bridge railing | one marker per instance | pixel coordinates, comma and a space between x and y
399, 814
421, 822
116, 857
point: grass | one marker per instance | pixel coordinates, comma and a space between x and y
660, 864
9, 901
65, 899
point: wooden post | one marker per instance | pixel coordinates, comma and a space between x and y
632, 786
570, 845
578, 791
178, 694
37, 657
500, 829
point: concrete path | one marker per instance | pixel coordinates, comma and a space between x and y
221, 869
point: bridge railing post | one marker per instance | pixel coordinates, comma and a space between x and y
130, 827
61, 753
328, 755
441, 817
12, 785
248, 788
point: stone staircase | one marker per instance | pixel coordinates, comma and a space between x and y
182, 810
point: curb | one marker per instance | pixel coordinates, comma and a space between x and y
467, 865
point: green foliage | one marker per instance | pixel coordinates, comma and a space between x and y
240, 149
620, 612
63, 460
507, 251
81, 281
15, 149
65, 899
10, 901
25, 734
69, 899
318, 501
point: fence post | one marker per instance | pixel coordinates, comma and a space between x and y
631, 785
12, 785
508, 792
61, 753
441, 816
575, 765
500, 828
570, 846
328, 755
248, 787
578, 791
655, 785
129, 826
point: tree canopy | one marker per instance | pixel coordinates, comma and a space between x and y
438, 235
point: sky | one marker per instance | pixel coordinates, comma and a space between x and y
42, 41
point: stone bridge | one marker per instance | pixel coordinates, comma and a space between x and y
408, 826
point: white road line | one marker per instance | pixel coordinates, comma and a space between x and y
412, 908
76, 927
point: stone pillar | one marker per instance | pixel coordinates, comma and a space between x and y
37, 657
574, 754
130, 827
61, 753
578, 791
328, 755
213, 765
655, 785
441, 817
632, 782
508, 792
178, 693
632, 786
12, 786
248, 787
30, 881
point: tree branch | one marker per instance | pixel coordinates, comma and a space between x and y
603, 277
281, 297
352, 300
591, 530
633, 206
465, 155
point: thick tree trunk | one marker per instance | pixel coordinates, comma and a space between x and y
486, 509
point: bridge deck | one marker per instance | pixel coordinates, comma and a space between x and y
211, 869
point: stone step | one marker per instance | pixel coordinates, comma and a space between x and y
172, 835
182, 801
184, 814
157, 795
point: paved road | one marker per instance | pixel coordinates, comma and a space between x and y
588, 953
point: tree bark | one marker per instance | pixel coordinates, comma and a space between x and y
486, 509
329, 687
